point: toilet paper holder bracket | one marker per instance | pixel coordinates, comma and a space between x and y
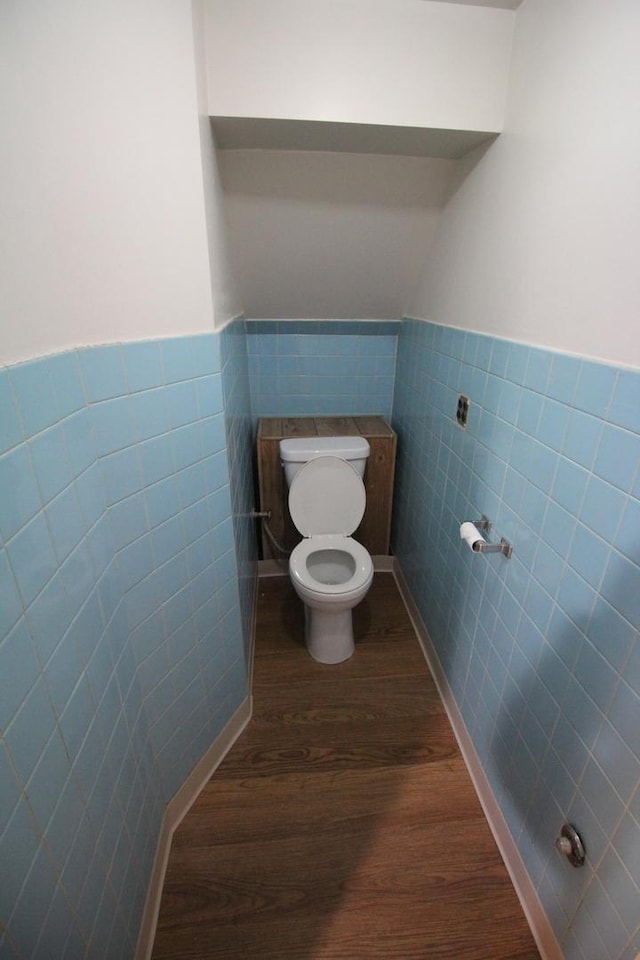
481, 546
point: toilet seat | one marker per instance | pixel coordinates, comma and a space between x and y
300, 572
327, 496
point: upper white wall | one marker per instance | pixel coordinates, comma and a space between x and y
223, 286
398, 62
329, 234
102, 231
539, 240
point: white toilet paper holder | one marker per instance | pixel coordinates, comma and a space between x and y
481, 546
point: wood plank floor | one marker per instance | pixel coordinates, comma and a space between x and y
342, 825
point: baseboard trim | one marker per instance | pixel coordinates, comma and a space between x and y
533, 910
176, 810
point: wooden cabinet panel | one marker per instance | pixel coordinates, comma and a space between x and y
374, 531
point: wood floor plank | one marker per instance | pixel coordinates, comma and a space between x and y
342, 825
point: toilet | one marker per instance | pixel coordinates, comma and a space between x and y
330, 571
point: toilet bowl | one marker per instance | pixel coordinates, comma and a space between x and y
330, 571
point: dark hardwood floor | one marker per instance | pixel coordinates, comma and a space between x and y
343, 824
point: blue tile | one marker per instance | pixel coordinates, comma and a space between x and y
33, 392
617, 761
11, 789
49, 617
127, 520
66, 522
178, 358
10, 426
558, 529
553, 424
565, 637
48, 779
596, 676
156, 459
32, 558
538, 605
168, 539
62, 671
192, 484
112, 425
611, 634
77, 716
78, 575
618, 457
142, 600
79, 440
182, 403
51, 462
529, 412
626, 845
621, 587
582, 438
625, 404
569, 485
624, 713
143, 363
135, 561
575, 597
21, 495
589, 555
19, 670
538, 370
20, 848
64, 370
500, 357
602, 508
30, 729
595, 387
627, 539
542, 466
120, 475
162, 501
563, 377
149, 413
548, 568
10, 604
205, 354
103, 372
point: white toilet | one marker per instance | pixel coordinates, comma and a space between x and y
330, 571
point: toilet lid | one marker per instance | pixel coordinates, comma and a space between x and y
327, 496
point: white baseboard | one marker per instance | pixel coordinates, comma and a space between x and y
534, 912
177, 808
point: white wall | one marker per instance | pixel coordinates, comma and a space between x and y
540, 240
102, 226
329, 234
223, 286
400, 62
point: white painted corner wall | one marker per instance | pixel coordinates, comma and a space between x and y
329, 235
411, 63
539, 240
103, 234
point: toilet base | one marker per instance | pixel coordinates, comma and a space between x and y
328, 635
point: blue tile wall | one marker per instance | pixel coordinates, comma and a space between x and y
121, 629
541, 651
321, 367
240, 451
